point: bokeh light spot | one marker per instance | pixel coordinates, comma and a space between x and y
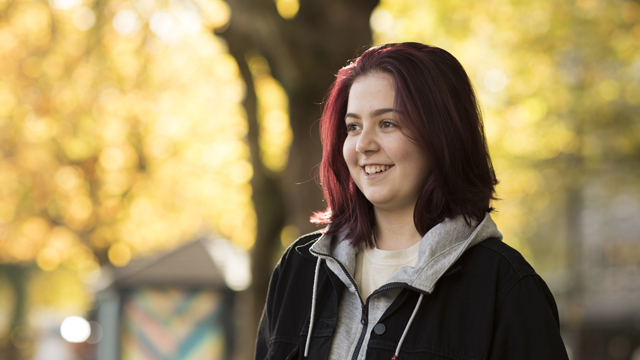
163, 25
35, 123
518, 115
35, 227
126, 22
495, 80
112, 158
48, 259
288, 8
190, 21
80, 207
63, 4
289, 234
167, 125
234, 263
68, 177
119, 254
75, 329
83, 18
381, 20
216, 13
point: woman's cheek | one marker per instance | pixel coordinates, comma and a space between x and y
349, 152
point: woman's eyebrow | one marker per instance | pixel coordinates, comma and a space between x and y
374, 113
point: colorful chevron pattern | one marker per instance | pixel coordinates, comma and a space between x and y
172, 324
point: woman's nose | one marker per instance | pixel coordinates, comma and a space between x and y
367, 141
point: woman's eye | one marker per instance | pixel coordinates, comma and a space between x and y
387, 124
352, 127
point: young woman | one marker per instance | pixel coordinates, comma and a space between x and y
411, 265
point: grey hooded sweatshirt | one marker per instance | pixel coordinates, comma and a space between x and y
438, 250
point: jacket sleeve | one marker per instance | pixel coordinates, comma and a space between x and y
265, 328
527, 326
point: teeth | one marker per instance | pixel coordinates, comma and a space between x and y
374, 169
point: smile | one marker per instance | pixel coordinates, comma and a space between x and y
375, 169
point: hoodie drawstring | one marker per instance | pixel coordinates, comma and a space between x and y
313, 307
406, 328
313, 313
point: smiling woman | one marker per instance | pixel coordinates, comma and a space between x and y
386, 166
408, 182
435, 107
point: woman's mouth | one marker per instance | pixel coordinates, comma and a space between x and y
375, 169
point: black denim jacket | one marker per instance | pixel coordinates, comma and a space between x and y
490, 305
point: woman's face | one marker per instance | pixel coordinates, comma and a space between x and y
387, 167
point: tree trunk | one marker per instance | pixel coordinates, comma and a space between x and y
574, 190
12, 347
304, 53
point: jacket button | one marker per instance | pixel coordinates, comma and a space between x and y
379, 329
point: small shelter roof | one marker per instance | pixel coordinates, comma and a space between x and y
201, 262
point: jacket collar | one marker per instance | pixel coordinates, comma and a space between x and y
305, 243
439, 249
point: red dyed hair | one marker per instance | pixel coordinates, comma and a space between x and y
439, 112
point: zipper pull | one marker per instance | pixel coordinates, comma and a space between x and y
364, 319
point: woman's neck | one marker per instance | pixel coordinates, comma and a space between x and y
395, 230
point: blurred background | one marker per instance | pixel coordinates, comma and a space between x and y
158, 156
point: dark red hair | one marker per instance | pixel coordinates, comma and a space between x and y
439, 112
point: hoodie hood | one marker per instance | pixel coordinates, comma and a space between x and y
439, 248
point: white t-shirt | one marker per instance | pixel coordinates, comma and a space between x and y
374, 266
